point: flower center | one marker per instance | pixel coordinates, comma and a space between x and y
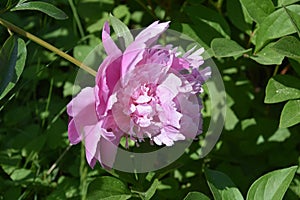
142, 105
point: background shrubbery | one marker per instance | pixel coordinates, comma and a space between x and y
255, 44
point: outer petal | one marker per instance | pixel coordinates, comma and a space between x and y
91, 140
151, 33
134, 52
107, 77
73, 134
82, 112
108, 151
78, 104
109, 45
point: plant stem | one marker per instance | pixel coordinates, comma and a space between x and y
76, 17
47, 46
275, 70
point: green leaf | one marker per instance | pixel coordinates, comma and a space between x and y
295, 19
151, 191
237, 16
258, 9
276, 25
281, 88
121, 30
196, 196
12, 61
202, 15
280, 135
288, 46
286, 2
268, 56
290, 114
21, 174
223, 47
109, 188
231, 119
188, 30
121, 12
273, 185
222, 186
46, 8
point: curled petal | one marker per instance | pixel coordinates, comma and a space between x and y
82, 112
134, 52
109, 45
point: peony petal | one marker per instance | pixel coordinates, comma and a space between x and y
108, 151
151, 33
134, 52
73, 134
91, 139
84, 99
109, 45
107, 77
168, 89
82, 112
144, 109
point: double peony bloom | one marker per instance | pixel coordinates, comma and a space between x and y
147, 91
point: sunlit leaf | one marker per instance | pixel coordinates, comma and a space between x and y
196, 196
287, 2
258, 9
280, 135
107, 187
151, 191
273, 185
281, 88
121, 30
295, 19
202, 15
268, 56
44, 7
276, 25
290, 114
223, 47
12, 61
288, 46
222, 186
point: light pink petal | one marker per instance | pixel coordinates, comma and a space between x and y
143, 99
108, 152
144, 109
144, 121
189, 128
205, 73
167, 136
73, 134
168, 89
82, 112
109, 45
152, 32
91, 139
134, 52
132, 55
83, 100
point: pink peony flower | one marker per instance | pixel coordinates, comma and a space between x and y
147, 91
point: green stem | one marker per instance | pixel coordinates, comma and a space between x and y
276, 70
83, 173
76, 17
47, 46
